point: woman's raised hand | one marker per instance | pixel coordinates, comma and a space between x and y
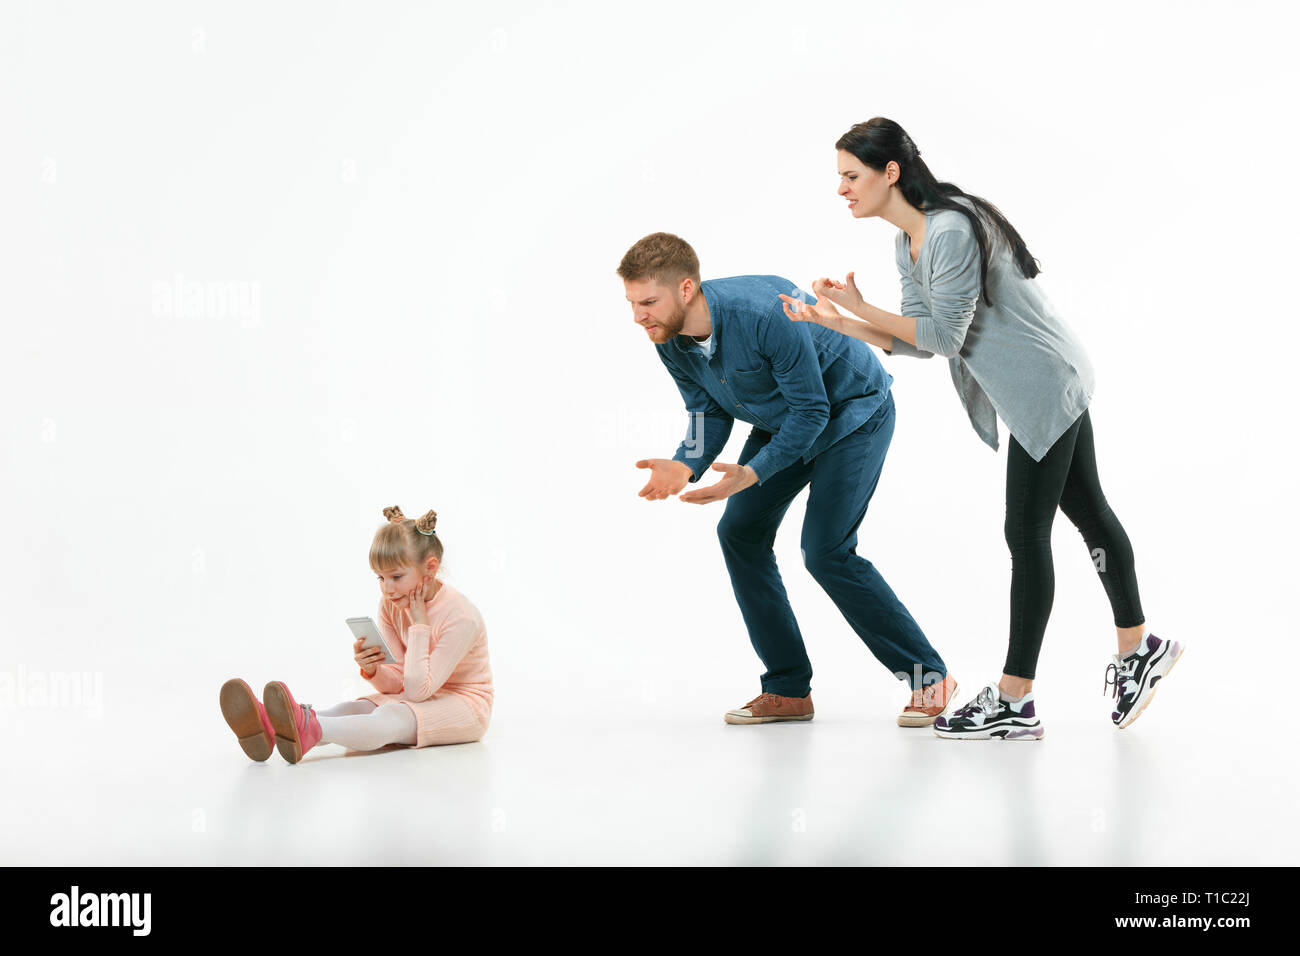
803, 311
844, 294
821, 312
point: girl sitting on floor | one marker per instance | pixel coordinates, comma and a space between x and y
439, 691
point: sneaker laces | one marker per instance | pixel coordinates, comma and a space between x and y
1116, 673
986, 700
759, 698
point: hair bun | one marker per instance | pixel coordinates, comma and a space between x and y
394, 514
427, 521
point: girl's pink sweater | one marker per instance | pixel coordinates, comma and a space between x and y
448, 655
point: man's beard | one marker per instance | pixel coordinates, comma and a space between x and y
672, 326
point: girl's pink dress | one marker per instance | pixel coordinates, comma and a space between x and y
442, 671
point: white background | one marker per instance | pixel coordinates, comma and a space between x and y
424, 206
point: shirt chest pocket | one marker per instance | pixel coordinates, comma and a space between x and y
756, 384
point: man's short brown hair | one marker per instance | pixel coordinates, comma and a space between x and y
663, 257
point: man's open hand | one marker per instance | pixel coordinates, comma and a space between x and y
667, 477
738, 478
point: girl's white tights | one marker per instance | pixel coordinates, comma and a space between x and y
360, 725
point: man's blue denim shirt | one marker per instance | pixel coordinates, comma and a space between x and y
806, 385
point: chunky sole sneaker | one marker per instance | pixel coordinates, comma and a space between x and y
766, 708
928, 703
1132, 680
989, 717
247, 718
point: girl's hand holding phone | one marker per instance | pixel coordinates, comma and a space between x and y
368, 657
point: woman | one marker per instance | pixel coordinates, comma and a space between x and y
969, 295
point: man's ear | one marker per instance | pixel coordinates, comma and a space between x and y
687, 289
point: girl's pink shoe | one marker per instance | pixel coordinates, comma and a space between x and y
297, 729
247, 718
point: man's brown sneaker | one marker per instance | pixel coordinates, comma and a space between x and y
766, 708
928, 702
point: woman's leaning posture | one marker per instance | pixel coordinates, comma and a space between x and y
969, 295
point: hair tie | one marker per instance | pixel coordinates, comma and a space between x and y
422, 531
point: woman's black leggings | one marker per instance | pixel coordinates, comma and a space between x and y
1067, 476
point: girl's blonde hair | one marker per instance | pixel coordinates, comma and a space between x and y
405, 542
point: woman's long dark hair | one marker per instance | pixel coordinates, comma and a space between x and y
879, 140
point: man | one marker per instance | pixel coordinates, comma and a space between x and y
823, 416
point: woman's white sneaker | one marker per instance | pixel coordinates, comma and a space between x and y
1132, 680
989, 717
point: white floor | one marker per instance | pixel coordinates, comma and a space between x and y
662, 782
295, 300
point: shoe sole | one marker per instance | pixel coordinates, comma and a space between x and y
239, 707
1151, 691
738, 719
275, 698
1012, 733
920, 720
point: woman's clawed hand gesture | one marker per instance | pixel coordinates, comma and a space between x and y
823, 311
844, 294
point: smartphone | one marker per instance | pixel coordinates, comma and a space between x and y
365, 627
